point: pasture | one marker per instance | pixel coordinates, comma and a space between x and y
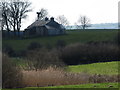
77, 36
106, 68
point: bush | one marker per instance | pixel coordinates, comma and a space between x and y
8, 50
48, 46
11, 75
21, 53
42, 59
89, 53
34, 45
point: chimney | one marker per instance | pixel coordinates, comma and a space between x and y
38, 15
46, 19
52, 19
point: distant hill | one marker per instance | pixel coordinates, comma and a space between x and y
98, 26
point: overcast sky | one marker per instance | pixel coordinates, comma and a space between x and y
99, 11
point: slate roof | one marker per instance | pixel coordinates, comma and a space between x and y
49, 24
38, 23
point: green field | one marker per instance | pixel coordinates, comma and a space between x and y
98, 85
81, 36
107, 68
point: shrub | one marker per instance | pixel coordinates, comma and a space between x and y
21, 53
48, 46
34, 45
11, 75
8, 50
42, 59
89, 53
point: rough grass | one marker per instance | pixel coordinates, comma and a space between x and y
106, 68
71, 37
91, 85
52, 77
98, 85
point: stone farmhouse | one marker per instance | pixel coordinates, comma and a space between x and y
45, 27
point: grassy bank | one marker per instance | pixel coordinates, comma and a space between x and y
71, 37
107, 68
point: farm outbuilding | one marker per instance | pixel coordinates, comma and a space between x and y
45, 27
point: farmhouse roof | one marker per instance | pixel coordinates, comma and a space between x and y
38, 23
49, 24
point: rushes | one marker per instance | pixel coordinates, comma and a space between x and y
55, 77
52, 77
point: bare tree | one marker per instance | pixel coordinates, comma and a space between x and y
16, 11
62, 20
77, 26
42, 13
5, 16
84, 22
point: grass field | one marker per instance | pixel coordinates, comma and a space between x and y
107, 68
71, 37
98, 85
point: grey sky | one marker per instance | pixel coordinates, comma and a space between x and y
99, 11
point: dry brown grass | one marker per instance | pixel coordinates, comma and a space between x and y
97, 78
52, 77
